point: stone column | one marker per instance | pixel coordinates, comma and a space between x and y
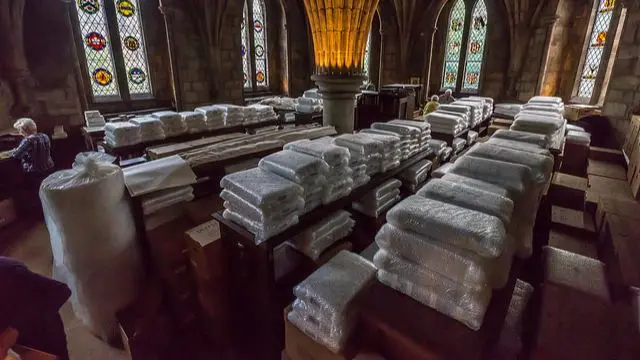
338, 96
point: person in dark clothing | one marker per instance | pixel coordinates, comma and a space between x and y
30, 305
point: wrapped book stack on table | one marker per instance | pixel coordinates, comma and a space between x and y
425, 131
410, 137
262, 202
542, 115
150, 128
364, 149
391, 149
171, 122
324, 307
195, 121
446, 123
123, 133
415, 175
380, 199
213, 116
315, 240
258, 113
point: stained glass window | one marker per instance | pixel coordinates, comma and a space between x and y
595, 47
255, 63
97, 48
453, 45
475, 48
133, 49
246, 55
105, 67
367, 59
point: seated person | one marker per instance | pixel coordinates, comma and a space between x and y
431, 106
34, 150
447, 97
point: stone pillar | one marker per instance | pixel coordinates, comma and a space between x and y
338, 96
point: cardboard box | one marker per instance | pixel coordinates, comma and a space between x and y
570, 242
607, 169
615, 206
299, 346
206, 251
568, 191
202, 210
7, 212
575, 222
606, 154
575, 159
610, 187
620, 239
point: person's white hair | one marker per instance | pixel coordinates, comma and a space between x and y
434, 98
448, 91
26, 125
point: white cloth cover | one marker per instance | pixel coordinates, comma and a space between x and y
94, 247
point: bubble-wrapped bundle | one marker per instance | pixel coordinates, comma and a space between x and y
446, 123
339, 181
463, 111
541, 140
516, 180
324, 307
542, 115
315, 240
425, 131
363, 148
446, 153
441, 171
305, 170
416, 174
545, 103
476, 108
165, 198
507, 109
390, 151
510, 342
579, 137
150, 128
195, 121
380, 199
118, 134
258, 113
458, 145
270, 203
214, 116
171, 122
485, 202
472, 137
94, 248
488, 104
437, 146
233, 114
409, 137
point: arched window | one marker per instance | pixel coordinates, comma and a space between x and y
114, 49
595, 48
454, 43
366, 66
475, 48
254, 46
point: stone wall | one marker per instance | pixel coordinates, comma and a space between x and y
623, 94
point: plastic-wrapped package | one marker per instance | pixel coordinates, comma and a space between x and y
446, 153
518, 145
510, 341
450, 261
164, 198
195, 121
312, 242
575, 271
482, 185
458, 144
150, 128
331, 289
390, 143
82, 158
94, 248
546, 100
360, 143
376, 211
472, 137
239, 205
433, 290
261, 230
536, 124
541, 140
171, 122
382, 132
469, 229
422, 125
337, 192
441, 171
369, 201
579, 137
399, 129
334, 155
386, 188
294, 166
541, 166
417, 173
119, 134
469, 197
262, 189
513, 177
333, 339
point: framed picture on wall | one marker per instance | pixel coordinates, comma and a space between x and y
414, 80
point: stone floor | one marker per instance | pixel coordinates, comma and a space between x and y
30, 244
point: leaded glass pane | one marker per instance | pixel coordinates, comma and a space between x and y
454, 42
367, 59
97, 48
260, 43
246, 54
133, 47
597, 41
475, 50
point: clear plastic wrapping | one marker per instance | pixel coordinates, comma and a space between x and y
469, 197
402, 130
513, 177
238, 205
297, 167
446, 153
472, 230
482, 185
433, 290
417, 173
312, 242
360, 143
261, 230
472, 137
260, 188
331, 288
165, 198
575, 271
579, 137
94, 248
519, 145
541, 166
422, 125
334, 155
450, 261
510, 341
441, 171
541, 140
390, 143
333, 337
437, 145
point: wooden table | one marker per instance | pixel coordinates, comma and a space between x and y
257, 297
